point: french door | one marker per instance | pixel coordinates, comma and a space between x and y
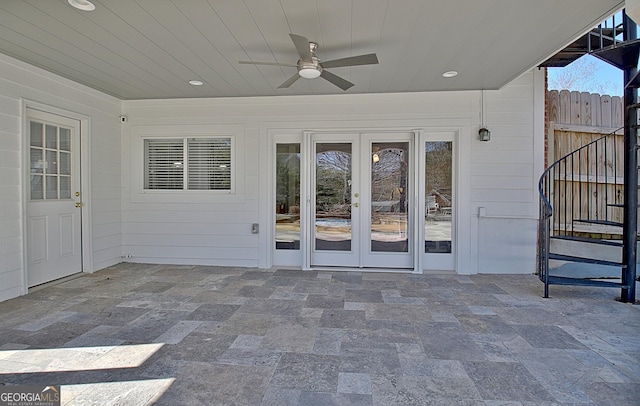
361, 199
372, 200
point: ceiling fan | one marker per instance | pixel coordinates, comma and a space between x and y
310, 67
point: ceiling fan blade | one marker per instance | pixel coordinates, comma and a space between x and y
266, 63
336, 80
368, 59
302, 45
289, 81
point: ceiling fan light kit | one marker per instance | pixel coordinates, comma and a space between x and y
310, 67
309, 73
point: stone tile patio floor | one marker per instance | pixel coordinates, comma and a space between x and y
136, 334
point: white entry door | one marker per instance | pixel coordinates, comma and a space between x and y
361, 200
54, 200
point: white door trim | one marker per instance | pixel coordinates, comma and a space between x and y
85, 176
418, 187
461, 136
306, 148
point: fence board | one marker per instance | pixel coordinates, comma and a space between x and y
606, 110
596, 110
585, 107
565, 107
576, 119
554, 106
617, 111
576, 109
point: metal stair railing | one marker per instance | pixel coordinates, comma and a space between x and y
558, 219
605, 34
577, 193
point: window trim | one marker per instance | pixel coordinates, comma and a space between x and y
138, 194
186, 163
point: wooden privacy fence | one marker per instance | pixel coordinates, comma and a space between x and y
589, 185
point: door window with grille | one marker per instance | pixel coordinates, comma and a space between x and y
50, 161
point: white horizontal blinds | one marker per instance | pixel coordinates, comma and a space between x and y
209, 163
206, 164
164, 163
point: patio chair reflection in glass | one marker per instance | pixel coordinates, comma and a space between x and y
431, 205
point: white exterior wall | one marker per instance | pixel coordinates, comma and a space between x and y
504, 177
496, 180
24, 85
497, 197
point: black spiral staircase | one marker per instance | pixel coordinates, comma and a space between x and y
579, 226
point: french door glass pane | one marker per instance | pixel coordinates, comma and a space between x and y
333, 196
389, 191
288, 196
438, 199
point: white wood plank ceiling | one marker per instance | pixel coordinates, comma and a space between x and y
140, 49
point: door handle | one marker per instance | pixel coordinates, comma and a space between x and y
356, 205
79, 204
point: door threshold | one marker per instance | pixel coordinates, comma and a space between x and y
364, 270
54, 282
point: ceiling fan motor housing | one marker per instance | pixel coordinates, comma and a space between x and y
310, 69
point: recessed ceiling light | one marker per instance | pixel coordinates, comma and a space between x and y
196, 82
450, 74
84, 5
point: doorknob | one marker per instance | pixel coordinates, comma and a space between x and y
356, 205
78, 204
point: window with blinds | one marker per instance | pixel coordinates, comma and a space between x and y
202, 163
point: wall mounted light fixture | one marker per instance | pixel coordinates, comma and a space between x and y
484, 134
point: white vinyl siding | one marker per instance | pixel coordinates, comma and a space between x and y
496, 228
188, 163
496, 218
20, 85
